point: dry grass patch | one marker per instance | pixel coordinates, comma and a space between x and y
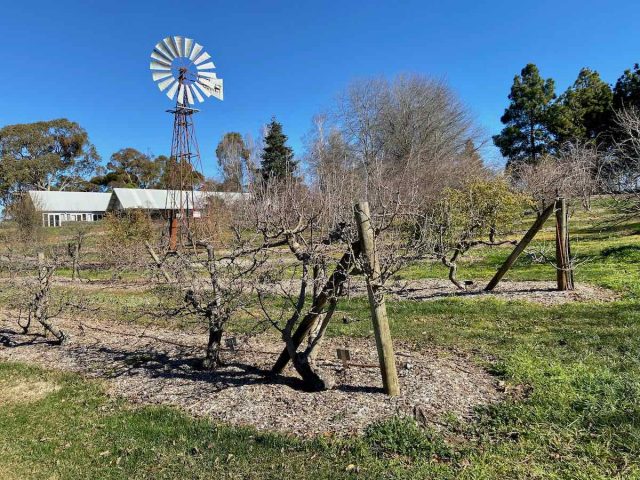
19, 391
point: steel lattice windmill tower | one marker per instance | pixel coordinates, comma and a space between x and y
182, 68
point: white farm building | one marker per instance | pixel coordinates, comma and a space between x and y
61, 207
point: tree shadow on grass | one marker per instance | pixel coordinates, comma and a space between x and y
622, 252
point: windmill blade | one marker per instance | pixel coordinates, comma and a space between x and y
207, 74
159, 66
160, 58
202, 58
188, 43
197, 48
179, 43
169, 44
206, 66
172, 91
196, 92
160, 47
189, 95
160, 75
165, 83
181, 94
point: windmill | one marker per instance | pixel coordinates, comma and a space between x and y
184, 70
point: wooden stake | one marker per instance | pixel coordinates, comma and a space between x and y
376, 300
537, 225
564, 274
157, 261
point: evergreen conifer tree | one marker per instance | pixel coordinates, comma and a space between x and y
277, 157
527, 135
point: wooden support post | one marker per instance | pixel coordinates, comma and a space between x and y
564, 272
376, 300
537, 225
157, 261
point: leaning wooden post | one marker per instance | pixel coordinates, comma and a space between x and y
563, 261
158, 262
537, 225
376, 300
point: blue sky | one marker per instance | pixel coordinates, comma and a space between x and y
88, 61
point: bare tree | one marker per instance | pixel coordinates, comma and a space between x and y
574, 172
396, 145
35, 298
212, 277
26, 215
304, 233
622, 168
123, 245
74, 249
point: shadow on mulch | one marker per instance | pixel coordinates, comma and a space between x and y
121, 362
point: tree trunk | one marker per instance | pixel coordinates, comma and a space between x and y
330, 289
157, 261
212, 358
41, 300
75, 273
453, 270
312, 376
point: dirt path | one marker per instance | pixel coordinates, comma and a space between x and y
156, 366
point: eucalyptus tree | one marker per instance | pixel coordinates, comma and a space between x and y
49, 155
233, 155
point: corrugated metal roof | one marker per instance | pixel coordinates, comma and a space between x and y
161, 199
50, 201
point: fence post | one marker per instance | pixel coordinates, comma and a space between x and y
377, 304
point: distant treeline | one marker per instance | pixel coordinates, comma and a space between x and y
539, 122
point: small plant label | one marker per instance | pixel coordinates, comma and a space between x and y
344, 355
231, 343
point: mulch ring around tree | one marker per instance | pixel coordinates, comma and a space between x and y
544, 293
159, 366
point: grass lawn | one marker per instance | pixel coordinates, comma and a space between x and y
572, 373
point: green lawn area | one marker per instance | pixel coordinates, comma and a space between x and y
572, 373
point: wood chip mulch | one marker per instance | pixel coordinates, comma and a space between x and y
159, 366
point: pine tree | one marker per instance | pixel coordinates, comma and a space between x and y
526, 135
277, 157
626, 92
583, 111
